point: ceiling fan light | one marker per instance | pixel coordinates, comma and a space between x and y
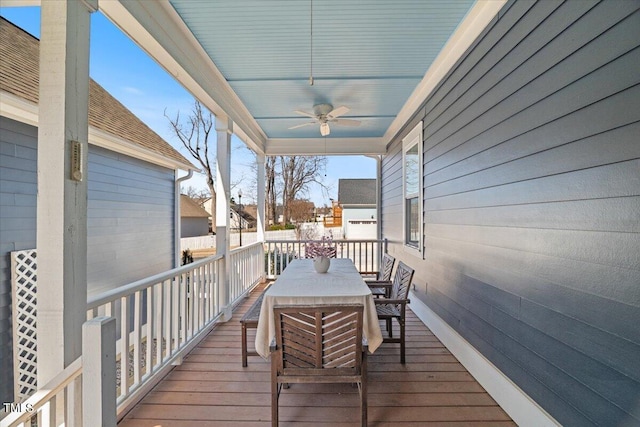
324, 129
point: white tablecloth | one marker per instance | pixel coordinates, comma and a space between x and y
300, 284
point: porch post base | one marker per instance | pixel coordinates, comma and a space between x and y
227, 312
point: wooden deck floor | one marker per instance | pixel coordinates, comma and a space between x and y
212, 389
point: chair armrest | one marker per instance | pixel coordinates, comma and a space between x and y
385, 301
378, 283
369, 273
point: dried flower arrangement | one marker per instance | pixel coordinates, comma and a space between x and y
322, 248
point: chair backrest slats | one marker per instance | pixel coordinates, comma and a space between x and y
387, 267
319, 337
402, 281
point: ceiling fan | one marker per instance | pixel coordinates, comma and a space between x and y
324, 114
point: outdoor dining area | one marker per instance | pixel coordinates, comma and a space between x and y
338, 348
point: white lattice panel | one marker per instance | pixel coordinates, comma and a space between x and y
23, 292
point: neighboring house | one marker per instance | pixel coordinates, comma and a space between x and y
207, 204
240, 218
251, 211
357, 197
279, 215
194, 219
248, 214
334, 216
131, 172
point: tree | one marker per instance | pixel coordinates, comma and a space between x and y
194, 193
301, 211
193, 132
297, 173
270, 190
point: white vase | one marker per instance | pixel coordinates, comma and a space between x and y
321, 264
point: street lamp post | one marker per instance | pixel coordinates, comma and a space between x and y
240, 214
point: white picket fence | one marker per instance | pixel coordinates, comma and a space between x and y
313, 230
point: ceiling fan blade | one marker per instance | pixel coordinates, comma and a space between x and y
346, 122
304, 113
337, 112
302, 125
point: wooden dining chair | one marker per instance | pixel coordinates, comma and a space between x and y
395, 306
381, 285
318, 344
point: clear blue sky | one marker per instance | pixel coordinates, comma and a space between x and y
138, 82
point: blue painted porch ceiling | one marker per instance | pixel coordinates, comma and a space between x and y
367, 55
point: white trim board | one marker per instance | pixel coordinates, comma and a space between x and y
515, 402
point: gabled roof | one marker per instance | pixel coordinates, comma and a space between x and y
190, 208
19, 76
357, 192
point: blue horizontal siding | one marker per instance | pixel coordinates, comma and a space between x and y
18, 190
532, 204
130, 221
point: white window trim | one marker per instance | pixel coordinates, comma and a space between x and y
414, 137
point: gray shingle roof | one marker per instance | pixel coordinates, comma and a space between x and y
357, 191
191, 208
19, 75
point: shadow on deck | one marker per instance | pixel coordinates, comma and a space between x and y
212, 389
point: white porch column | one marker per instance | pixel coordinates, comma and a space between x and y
62, 184
224, 129
261, 197
99, 372
379, 198
260, 225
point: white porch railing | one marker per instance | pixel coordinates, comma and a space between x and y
48, 403
365, 254
163, 317
159, 319
246, 269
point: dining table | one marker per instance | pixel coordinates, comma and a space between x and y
300, 284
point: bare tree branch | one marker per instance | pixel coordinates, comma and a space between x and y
193, 132
297, 173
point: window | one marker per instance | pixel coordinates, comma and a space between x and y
412, 187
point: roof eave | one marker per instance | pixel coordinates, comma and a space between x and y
23, 111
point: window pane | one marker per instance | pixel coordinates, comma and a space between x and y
411, 170
412, 233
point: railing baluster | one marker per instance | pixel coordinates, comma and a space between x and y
197, 289
137, 334
205, 294
151, 301
190, 303
47, 416
161, 314
199, 300
212, 288
124, 346
175, 319
170, 312
184, 315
